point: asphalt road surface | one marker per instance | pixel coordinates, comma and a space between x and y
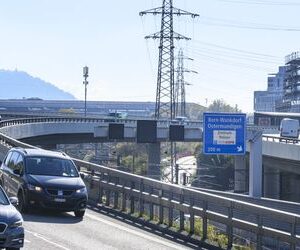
45, 230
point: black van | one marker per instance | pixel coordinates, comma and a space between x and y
43, 178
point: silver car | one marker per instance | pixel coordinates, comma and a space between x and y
11, 229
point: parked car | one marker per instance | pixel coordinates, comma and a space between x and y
11, 230
45, 179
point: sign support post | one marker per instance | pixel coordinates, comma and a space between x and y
255, 166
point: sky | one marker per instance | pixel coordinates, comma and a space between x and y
235, 45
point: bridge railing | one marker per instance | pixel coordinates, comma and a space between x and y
280, 139
20, 121
141, 195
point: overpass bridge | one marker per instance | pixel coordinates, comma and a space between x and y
278, 157
157, 205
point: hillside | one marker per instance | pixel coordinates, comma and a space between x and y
19, 84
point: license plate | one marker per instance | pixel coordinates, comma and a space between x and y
59, 200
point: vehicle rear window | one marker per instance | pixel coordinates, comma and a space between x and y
50, 166
3, 199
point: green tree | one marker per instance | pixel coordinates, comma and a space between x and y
220, 105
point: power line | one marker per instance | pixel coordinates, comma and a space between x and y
236, 50
233, 55
227, 62
260, 2
245, 25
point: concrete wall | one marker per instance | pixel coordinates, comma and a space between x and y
99, 130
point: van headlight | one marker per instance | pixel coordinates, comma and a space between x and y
16, 224
34, 188
81, 190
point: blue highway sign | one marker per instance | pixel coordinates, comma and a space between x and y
224, 133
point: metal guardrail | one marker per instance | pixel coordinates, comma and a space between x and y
20, 121
287, 140
136, 195
127, 191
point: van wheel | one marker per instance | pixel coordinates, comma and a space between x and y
22, 206
79, 214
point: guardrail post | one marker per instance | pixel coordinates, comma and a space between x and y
123, 197
107, 202
170, 209
141, 201
161, 208
192, 216
100, 188
181, 214
92, 180
151, 206
293, 234
116, 194
229, 227
204, 221
259, 233
132, 198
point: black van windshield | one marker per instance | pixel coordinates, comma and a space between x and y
3, 198
50, 166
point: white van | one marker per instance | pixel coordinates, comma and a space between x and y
289, 128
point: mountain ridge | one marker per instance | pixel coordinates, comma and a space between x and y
19, 84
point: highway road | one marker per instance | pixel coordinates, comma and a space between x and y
97, 230
188, 165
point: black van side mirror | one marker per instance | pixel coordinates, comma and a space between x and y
17, 171
82, 175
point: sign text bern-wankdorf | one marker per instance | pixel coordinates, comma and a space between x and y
224, 133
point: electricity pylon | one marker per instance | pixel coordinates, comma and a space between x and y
180, 94
165, 90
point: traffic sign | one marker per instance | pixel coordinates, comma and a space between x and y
224, 133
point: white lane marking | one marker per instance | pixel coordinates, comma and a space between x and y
131, 231
27, 241
47, 240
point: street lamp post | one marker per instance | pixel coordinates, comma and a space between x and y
85, 82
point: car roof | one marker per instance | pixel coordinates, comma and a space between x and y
41, 152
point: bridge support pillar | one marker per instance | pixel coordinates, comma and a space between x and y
240, 174
291, 187
271, 182
154, 160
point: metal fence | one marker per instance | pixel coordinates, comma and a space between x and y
133, 193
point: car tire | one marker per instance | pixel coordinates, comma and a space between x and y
79, 214
12, 248
22, 206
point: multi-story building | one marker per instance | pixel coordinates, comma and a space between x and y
265, 101
291, 97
